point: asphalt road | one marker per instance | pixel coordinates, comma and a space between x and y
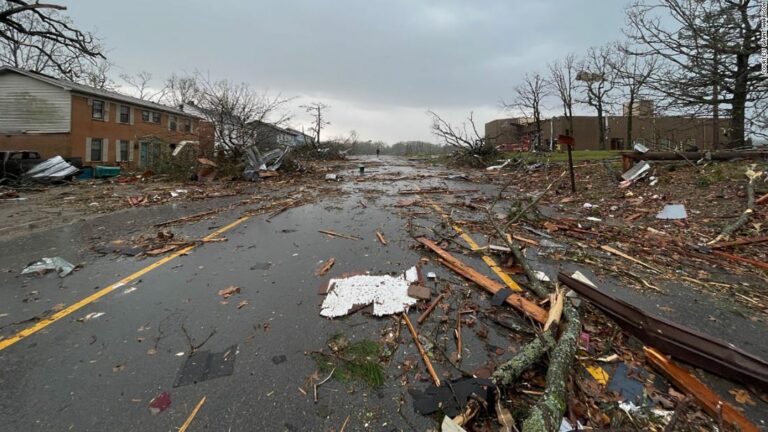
101, 373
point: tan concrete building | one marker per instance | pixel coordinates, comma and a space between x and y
655, 132
59, 117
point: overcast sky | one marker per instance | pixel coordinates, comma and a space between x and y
379, 64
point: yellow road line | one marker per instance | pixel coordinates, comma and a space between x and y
473, 245
192, 415
599, 374
45, 322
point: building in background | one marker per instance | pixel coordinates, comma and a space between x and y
56, 117
655, 132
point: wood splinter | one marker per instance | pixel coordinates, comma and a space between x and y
381, 237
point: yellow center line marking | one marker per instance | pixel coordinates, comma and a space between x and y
473, 245
45, 322
598, 373
192, 415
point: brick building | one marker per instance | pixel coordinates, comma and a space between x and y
58, 117
656, 132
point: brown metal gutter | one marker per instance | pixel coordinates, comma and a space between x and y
691, 346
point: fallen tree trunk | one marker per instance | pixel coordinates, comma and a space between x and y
548, 412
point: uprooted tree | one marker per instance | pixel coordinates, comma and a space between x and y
242, 117
37, 36
472, 147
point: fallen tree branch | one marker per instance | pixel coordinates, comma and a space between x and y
530, 205
745, 215
508, 372
547, 414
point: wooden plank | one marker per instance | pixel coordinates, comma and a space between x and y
515, 300
627, 257
732, 257
335, 234
713, 404
381, 237
740, 242
430, 309
422, 352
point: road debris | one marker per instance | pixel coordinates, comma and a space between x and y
325, 267
388, 294
229, 291
45, 265
381, 238
202, 366
160, 403
335, 234
672, 212
422, 352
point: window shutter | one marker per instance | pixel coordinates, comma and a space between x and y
105, 150
106, 110
130, 151
117, 151
169, 122
88, 149
131, 110
90, 101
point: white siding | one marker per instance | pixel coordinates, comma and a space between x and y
28, 105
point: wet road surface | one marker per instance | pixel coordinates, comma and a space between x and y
101, 373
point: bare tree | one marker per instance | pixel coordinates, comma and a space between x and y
239, 114
709, 50
96, 73
632, 73
562, 80
598, 79
464, 138
182, 89
319, 122
141, 84
529, 96
37, 36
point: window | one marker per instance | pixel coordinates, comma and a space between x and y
97, 148
187, 125
172, 122
97, 109
125, 114
150, 116
123, 151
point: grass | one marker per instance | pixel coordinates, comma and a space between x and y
358, 361
578, 155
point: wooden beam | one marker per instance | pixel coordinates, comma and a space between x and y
713, 404
515, 300
731, 257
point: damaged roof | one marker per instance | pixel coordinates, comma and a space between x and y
93, 91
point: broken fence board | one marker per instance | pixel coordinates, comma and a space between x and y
515, 300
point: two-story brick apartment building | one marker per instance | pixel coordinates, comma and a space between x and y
58, 117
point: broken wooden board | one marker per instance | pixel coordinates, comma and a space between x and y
732, 257
515, 300
323, 269
419, 291
713, 404
335, 234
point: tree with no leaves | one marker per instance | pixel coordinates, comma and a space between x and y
562, 81
317, 111
709, 56
529, 96
239, 114
632, 75
598, 79
141, 83
38, 37
465, 138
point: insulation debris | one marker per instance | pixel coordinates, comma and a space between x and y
388, 294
